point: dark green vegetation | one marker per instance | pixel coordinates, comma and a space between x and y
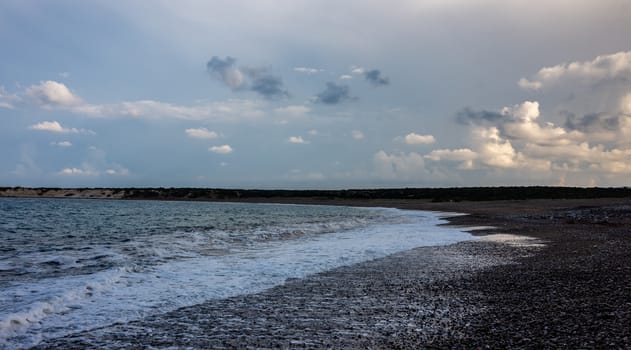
434, 194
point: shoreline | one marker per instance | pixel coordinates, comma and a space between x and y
571, 293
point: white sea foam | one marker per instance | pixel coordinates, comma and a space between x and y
514, 240
53, 307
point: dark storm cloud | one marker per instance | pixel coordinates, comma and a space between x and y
217, 65
592, 122
469, 116
259, 80
265, 83
375, 78
269, 86
334, 94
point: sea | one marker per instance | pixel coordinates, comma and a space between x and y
73, 265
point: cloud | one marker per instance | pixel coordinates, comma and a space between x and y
95, 165
357, 70
595, 144
78, 172
117, 172
230, 110
266, 84
62, 144
307, 70
594, 122
6, 99
225, 70
527, 84
87, 170
55, 126
297, 140
375, 78
402, 166
469, 116
293, 110
334, 94
520, 122
625, 104
201, 133
345, 77
259, 80
233, 109
461, 154
495, 146
495, 151
224, 149
312, 132
357, 135
43, 96
416, 139
50, 94
583, 157
615, 66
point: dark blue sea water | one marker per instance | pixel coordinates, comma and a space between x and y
73, 265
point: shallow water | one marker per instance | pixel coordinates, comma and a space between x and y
74, 265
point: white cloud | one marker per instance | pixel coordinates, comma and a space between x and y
224, 149
55, 126
62, 144
527, 84
493, 150
520, 142
400, 166
95, 165
357, 135
357, 70
6, 99
201, 133
345, 77
293, 111
415, 139
307, 70
117, 172
230, 110
604, 67
583, 157
78, 172
312, 132
51, 94
625, 104
461, 154
297, 140
521, 124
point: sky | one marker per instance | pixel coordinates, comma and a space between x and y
315, 94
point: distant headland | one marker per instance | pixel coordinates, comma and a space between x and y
452, 194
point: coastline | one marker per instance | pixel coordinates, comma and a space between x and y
572, 292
